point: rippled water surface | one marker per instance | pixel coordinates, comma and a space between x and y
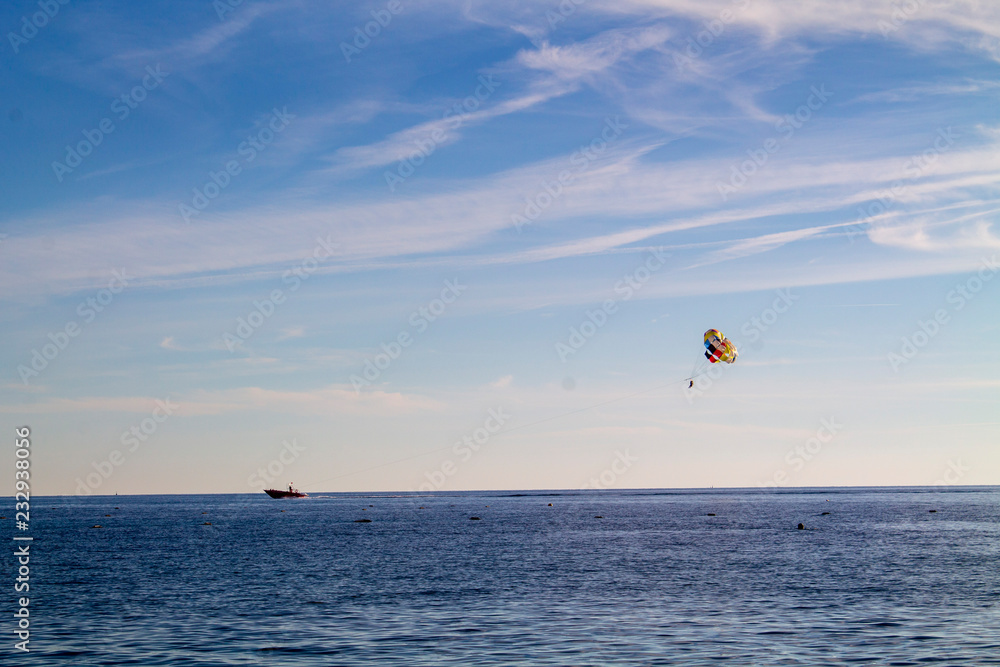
879, 580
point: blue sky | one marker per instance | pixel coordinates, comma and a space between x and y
547, 204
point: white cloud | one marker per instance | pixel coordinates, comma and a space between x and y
204, 44
633, 198
566, 67
502, 383
968, 22
324, 401
759, 244
915, 93
579, 60
168, 343
291, 332
620, 187
920, 235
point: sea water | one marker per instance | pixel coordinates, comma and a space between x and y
643, 577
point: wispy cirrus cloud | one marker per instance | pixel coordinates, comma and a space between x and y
207, 44
564, 69
927, 25
621, 186
914, 93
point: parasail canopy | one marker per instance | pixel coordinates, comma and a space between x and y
719, 348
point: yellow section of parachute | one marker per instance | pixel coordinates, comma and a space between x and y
719, 348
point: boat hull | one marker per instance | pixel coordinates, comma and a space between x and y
275, 493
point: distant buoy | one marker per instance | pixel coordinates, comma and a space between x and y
801, 527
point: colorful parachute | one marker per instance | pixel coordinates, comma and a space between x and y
719, 348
